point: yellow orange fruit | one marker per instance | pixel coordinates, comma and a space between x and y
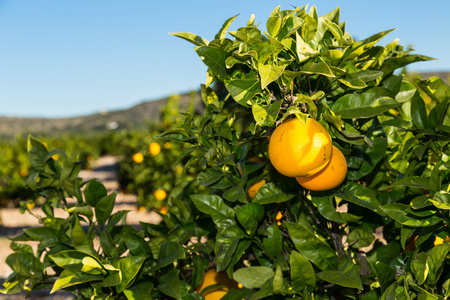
160, 195
163, 210
30, 205
154, 148
329, 177
298, 148
167, 145
253, 189
138, 158
211, 277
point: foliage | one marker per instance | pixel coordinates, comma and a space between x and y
154, 172
157, 169
381, 234
14, 162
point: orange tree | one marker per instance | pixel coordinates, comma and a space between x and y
381, 233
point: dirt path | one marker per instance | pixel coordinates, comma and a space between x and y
13, 222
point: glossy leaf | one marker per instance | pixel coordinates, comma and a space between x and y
347, 274
253, 277
266, 115
249, 215
170, 284
419, 112
214, 206
362, 105
129, 267
140, 291
190, 37
270, 193
311, 247
273, 242
104, 208
94, 191
214, 58
302, 273
70, 278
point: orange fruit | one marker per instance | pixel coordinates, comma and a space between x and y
300, 149
329, 177
211, 277
154, 148
138, 158
253, 189
160, 195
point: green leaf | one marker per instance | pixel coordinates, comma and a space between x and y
372, 155
223, 31
253, 277
170, 284
242, 90
213, 205
384, 273
274, 22
359, 238
141, 291
274, 241
129, 267
436, 256
412, 181
347, 274
104, 208
420, 268
214, 58
365, 105
394, 63
302, 273
79, 238
266, 115
419, 112
249, 215
76, 261
269, 73
94, 191
360, 195
437, 114
435, 88
441, 200
190, 37
270, 193
398, 212
70, 278
311, 247
209, 177
227, 241
291, 25
36, 153
168, 253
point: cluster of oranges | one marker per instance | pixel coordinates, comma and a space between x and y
304, 150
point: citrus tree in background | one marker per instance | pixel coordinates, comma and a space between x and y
149, 167
326, 176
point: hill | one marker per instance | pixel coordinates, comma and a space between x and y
133, 117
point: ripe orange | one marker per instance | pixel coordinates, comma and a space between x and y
154, 148
253, 189
300, 149
160, 195
212, 277
138, 158
329, 177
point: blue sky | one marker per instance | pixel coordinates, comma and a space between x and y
71, 58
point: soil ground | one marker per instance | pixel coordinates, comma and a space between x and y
13, 222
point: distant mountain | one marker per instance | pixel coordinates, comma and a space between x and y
134, 117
